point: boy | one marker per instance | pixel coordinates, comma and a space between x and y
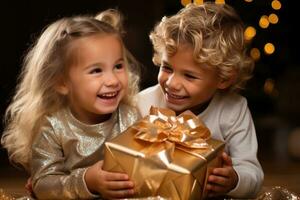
201, 54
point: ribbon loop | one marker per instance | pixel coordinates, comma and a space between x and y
163, 125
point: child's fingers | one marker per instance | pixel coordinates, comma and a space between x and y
114, 176
221, 172
120, 185
219, 180
116, 194
226, 159
215, 189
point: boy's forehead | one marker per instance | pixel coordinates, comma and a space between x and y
180, 54
184, 64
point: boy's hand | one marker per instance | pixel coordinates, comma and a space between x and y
109, 185
222, 180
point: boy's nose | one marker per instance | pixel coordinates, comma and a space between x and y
173, 82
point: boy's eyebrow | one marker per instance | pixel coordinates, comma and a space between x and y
163, 62
194, 73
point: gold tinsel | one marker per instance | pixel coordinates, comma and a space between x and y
5, 196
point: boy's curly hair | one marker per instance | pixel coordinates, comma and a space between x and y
215, 32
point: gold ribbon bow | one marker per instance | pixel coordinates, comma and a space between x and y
162, 125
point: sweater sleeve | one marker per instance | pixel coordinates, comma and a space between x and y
240, 137
49, 177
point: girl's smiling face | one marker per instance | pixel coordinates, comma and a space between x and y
97, 78
185, 83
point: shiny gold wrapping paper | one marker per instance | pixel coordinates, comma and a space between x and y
162, 168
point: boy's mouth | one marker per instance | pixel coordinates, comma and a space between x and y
174, 96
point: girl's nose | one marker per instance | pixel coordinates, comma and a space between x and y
111, 79
173, 82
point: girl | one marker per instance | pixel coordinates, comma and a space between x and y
76, 92
201, 54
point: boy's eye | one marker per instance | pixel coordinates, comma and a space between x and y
189, 76
166, 68
95, 71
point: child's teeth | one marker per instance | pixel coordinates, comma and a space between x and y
175, 96
109, 94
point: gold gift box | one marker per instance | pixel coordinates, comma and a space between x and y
159, 156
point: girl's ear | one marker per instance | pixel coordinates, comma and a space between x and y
224, 84
61, 87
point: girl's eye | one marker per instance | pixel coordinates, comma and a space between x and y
166, 69
119, 66
96, 70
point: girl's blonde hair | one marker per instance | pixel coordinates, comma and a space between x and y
214, 31
36, 96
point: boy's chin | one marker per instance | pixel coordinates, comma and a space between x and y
177, 108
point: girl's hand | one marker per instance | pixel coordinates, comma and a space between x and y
222, 180
110, 185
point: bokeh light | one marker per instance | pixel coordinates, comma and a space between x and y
276, 5
269, 88
185, 2
198, 2
249, 33
220, 1
269, 48
264, 21
273, 18
255, 54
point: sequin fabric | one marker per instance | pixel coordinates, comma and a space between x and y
66, 147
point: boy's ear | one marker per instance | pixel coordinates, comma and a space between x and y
224, 84
61, 87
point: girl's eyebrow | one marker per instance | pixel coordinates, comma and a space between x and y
120, 60
101, 63
92, 65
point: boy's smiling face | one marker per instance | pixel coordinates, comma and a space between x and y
185, 83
